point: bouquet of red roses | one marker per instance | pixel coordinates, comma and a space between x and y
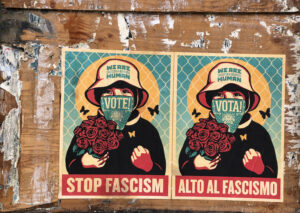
208, 138
96, 135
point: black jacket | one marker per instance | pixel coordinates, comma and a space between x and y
231, 163
119, 161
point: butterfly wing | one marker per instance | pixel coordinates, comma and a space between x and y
263, 114
151, 111
268, 112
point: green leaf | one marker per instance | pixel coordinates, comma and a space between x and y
193, 154
96, 156
90, 150
202, 152
75, 147
207, 158
81, 152
187, 150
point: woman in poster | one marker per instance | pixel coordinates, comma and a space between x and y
248, 149
118, 140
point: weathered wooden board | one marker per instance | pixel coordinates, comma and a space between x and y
39, 37
160, 6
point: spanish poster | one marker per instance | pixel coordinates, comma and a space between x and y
115, 124
229, 127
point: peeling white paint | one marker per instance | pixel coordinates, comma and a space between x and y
42, 190
170, 22
79, 46
8, 61
133, 5
123, 30
44, 91
10, 128
212, 21
168, 42
93, 38
264, 24
136, 22
227, 43
258, 34
198, 43
165, 6
292, 124
235, 34
154, 20
97, 21
285, 7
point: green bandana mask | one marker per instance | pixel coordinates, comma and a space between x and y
117, 109
229, 111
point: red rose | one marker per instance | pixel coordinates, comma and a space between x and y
194, 135
77, 130
203, 134
215, 136
112, 143
194, 144
103, 133
91, 141
202, 120
223, 128
119, 135
231, 138
82, 142
87, 123
101, 122
91, 132
211, 149
82, 133
212, 125
111, 125
190, 132
224, 145
199, 125
99, 146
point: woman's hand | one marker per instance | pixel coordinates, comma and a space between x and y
201, 163
141, 158
253, 162
88, 161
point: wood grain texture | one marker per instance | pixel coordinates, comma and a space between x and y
160, 6
258, 34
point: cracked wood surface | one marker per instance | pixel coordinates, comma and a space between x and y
41, 36
224, 6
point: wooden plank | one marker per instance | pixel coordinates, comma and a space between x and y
251, 34
160, 6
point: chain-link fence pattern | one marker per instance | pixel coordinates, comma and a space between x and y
77, 62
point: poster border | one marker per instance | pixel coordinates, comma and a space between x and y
61, 159
281, 158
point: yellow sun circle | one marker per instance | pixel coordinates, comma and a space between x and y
88, 77
259, 84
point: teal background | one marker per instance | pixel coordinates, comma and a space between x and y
77, 62
270, 68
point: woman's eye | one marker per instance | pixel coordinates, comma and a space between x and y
109, 92
126, 91
237, 95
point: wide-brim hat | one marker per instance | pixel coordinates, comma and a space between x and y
223, 74
113, 71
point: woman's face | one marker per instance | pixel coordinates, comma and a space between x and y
229, 94
117, 91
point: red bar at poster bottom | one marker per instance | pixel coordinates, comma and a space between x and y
227, 187
114, 185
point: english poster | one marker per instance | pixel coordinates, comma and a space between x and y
115, 124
